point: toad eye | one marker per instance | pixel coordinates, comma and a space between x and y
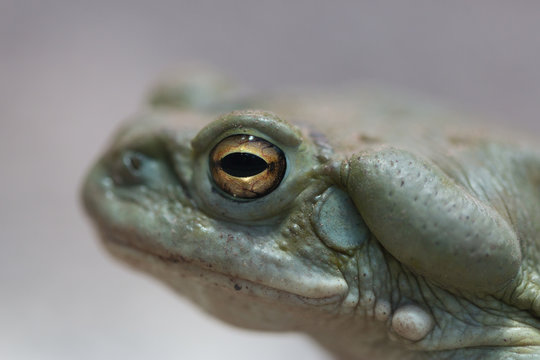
246, 166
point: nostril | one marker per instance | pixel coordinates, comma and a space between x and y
128, 169
133, 161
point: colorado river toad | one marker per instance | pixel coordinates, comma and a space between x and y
383, 228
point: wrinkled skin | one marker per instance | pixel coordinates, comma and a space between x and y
398, 231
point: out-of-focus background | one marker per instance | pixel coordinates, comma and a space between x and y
70, 71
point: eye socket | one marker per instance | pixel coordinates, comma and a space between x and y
247, 166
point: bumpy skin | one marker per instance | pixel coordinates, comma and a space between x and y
398, 232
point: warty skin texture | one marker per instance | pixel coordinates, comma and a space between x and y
397, 231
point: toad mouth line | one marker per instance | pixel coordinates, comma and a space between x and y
122, 248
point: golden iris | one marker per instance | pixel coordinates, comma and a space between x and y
247, 166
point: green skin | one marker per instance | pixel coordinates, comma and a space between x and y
398, 234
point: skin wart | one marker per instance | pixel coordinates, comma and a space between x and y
383, 228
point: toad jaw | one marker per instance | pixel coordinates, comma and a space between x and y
130, 217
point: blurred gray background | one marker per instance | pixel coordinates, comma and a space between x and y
71, 70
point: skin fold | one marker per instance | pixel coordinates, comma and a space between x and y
382, 227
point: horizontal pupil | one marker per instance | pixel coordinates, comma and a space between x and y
243, 164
